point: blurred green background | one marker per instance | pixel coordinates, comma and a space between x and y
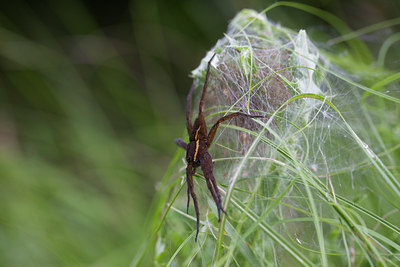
92, 95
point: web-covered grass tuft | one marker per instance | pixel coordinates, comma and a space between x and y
315, 182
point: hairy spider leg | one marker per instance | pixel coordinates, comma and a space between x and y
188, 197
205, 86
189, 180
214, 129
189, 126
189, 189
207, 168
181, 143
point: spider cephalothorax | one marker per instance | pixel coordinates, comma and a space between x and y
197, 154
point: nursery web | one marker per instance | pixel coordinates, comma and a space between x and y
296, 170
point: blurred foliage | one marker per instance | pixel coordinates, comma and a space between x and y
91, 97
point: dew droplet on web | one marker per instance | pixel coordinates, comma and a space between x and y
369, 151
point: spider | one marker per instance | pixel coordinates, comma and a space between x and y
197, 150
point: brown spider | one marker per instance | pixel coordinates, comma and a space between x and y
197, 150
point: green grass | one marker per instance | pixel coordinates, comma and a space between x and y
74, 143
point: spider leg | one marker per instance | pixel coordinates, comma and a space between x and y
214, 129
205, 86
188, 197
189, 189
181, 143
207, 168
189, 179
